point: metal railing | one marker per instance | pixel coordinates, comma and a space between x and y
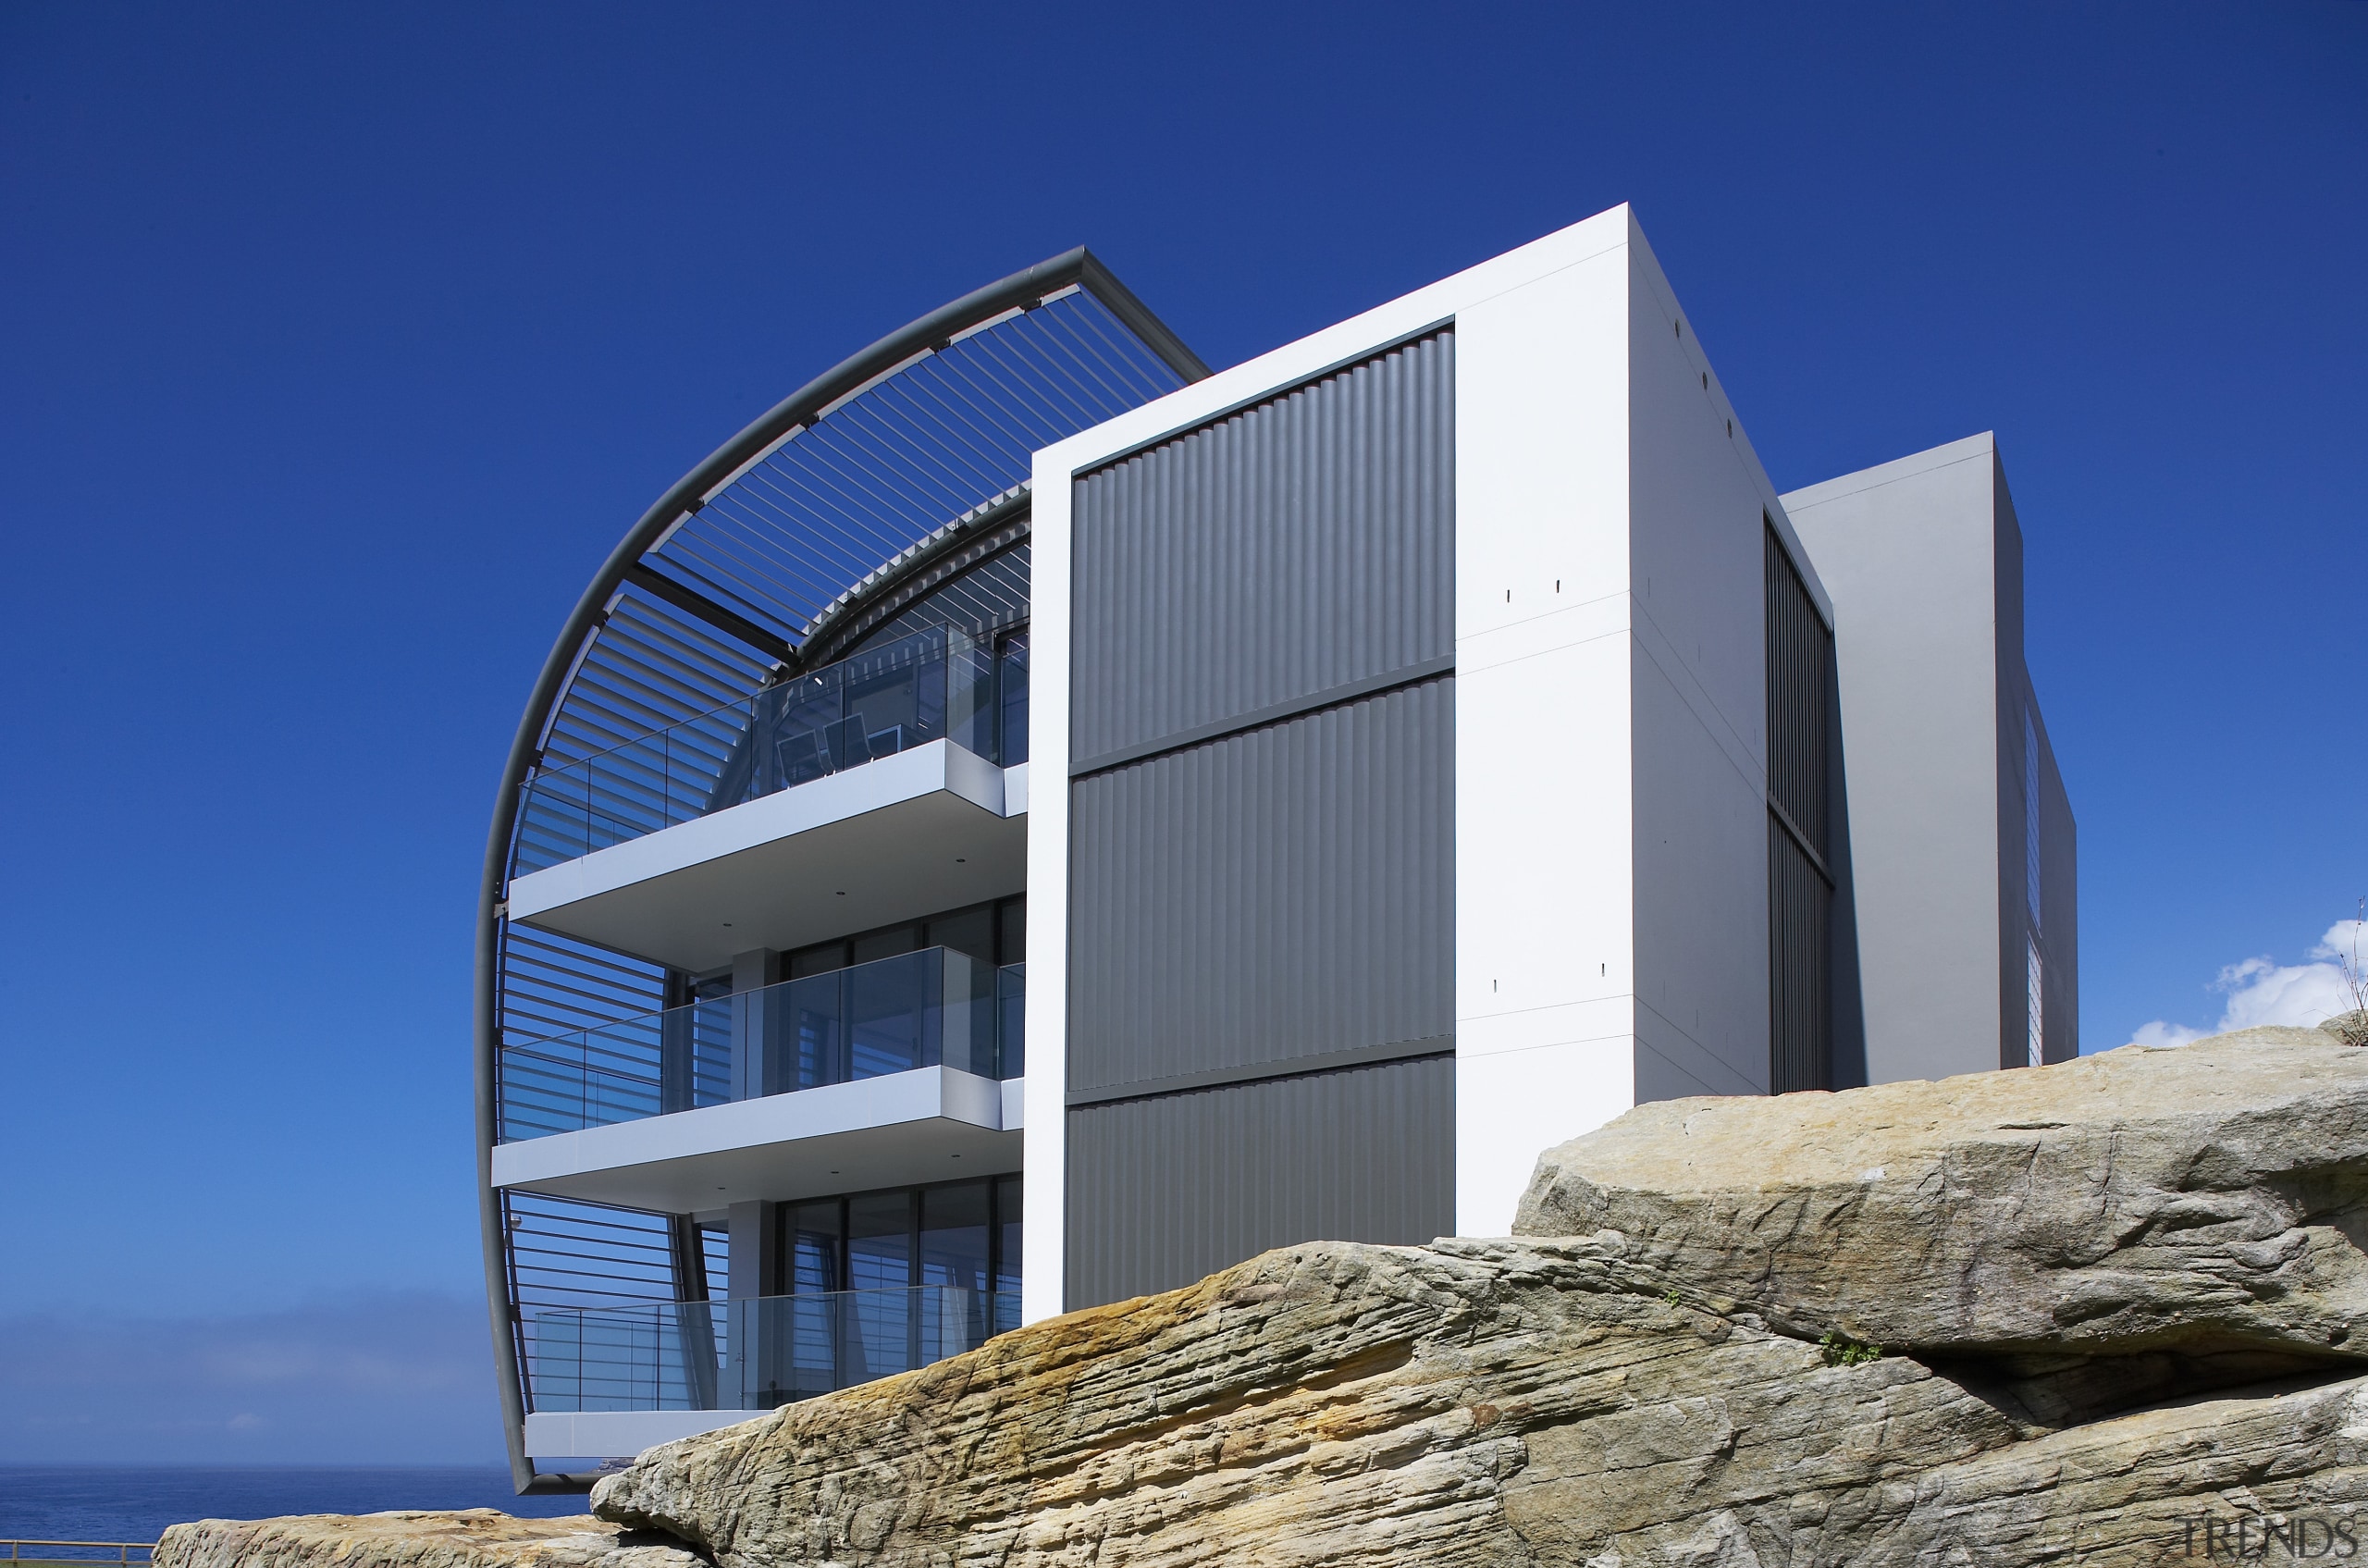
754, 1354
931, 1008
85, 1551
937, 685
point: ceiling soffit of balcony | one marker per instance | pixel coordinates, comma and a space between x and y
908, 836
900, 1130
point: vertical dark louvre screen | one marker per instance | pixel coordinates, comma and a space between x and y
1800, 890
1262, 917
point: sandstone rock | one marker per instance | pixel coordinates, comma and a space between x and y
2118, 1297
2351, 1027
1462, 1404
1644, 1384
475, 1537
2201, 1200
1471, 1404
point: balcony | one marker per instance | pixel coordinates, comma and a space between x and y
939, 685
935, 1007
755, 1354
930, 829
859, 795
900, 1069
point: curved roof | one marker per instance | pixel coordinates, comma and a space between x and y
868, 489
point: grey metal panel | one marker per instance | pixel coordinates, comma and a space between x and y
1908, 553
1166, 1190
1298, 544
1276, 895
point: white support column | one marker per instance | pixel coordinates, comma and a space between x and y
1044, 1205
1544, 906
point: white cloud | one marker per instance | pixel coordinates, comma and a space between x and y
2262, 992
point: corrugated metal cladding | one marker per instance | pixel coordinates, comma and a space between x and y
1800, 893
1296, 545
1163, 1190
1251, 910
1280, 894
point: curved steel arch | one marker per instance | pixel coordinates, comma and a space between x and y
688, 495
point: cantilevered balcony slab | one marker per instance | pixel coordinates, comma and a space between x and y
927, 829
931, 1124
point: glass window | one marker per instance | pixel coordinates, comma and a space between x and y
1014, 683
815, 1253
880, 1240
954, 1236
888, 1025
889, 944
972, 931
1007, 1197
816, 960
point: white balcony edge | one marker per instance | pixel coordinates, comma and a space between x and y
895, 1099
925, 769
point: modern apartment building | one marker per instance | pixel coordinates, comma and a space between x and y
1030, 821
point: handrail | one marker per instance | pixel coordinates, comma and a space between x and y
754, 1353
123, 1549
603, 1075
940, 683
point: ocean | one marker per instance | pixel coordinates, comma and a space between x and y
90, 1503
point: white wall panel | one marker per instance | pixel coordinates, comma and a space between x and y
1697, 550
1544, 865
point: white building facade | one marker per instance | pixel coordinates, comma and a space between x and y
1084, 820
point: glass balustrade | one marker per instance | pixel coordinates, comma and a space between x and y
929, 1008
753, 1355
939, 685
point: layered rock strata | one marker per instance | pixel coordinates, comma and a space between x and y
2202, 1199
2105, 1312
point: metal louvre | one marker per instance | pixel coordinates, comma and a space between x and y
1800, 655
650, 666
552, 984
989, 595
565, 1255
905, 456
1800, 883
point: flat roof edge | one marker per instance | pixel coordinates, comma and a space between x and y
1898, 468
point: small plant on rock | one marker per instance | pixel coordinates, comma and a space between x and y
2352, 1026
1842, 1351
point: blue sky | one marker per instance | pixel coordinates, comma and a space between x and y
338, 344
